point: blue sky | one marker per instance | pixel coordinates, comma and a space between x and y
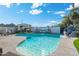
36, 14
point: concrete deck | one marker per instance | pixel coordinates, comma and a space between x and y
66, 48
9, 43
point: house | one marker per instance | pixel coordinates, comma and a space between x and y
7, 29
47, 29
24, 27
55, 29
40, 29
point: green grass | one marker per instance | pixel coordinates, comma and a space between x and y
76, 44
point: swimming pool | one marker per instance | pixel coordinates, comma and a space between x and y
38, 44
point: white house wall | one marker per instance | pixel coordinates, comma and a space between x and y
55, 30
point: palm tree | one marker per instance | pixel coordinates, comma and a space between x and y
74, 17
65, 23
71, 18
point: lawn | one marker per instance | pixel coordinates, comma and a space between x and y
76, 44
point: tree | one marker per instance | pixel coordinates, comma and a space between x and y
74, 17
71, 18
66, 22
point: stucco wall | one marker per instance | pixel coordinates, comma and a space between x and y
55, 30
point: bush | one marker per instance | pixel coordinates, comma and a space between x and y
76, 44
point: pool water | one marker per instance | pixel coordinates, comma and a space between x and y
38, 44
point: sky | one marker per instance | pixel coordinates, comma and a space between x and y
36, 14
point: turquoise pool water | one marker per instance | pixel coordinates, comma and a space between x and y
38, 44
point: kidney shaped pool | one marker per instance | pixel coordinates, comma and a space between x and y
38, 44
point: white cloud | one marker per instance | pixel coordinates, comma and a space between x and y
21, 11
62, 15
69, 8
76, 4
36, 5
60, 12
49, 11
6, 4
53, 22
35, 12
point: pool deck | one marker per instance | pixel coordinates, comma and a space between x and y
9, 43
66, 47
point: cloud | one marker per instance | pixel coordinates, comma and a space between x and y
69, 8
53, 22
6, 4
61, 13
76, 4
49, 11
35, 12
21, 11
36, 5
